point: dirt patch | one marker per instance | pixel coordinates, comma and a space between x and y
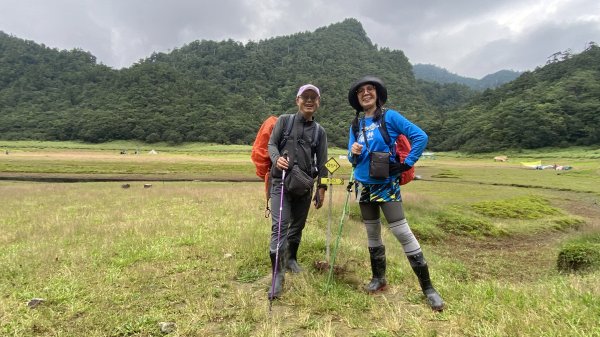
587, 207
515, 259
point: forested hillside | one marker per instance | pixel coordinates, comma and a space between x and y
432, 73
208, 91
556, 105
205, 91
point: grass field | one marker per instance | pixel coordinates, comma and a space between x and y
193, 248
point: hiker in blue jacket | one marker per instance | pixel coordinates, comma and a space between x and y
378, 180
302, 152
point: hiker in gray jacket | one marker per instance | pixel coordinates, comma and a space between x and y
302, 154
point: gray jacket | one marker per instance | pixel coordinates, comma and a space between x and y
298, 145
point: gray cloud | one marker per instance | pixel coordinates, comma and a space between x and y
468, 37
533, 48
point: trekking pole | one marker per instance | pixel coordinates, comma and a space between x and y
329, 213
274, 274
337, 240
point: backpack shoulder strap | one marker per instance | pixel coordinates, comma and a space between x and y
355, 129
316, 137
383, 130
287, 131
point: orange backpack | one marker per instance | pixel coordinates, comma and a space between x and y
260, 152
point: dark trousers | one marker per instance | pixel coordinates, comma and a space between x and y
293, 216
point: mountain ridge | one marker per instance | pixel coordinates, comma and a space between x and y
434, 73
208, 91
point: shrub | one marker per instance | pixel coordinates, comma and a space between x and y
580, 254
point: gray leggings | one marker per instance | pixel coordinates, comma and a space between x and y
394, 214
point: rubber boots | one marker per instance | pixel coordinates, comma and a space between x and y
378, 265
419, 266
276, 287
292, 263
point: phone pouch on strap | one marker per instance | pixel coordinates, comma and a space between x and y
379, 165
297, 182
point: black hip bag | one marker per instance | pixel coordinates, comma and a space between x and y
379, 161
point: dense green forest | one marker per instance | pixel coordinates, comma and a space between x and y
208, 91
555, 105
433, 73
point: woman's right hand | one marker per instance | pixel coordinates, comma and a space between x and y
356, 149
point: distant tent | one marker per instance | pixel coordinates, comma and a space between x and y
533, 164
152, 152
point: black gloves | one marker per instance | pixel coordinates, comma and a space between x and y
398, 168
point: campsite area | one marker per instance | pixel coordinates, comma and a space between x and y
98, 243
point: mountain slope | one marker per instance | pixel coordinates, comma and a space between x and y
555, 105
432, 73
220, 92
204, 91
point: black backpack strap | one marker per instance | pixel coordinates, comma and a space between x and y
289, 124
386, 136
313, 149
355, 130
383, 130
364, 132
316, 136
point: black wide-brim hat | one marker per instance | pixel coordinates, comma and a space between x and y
379, 87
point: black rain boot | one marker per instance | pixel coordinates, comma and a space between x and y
292, 263
276, 289
378, 265
419, 266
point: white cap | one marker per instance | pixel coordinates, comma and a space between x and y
308, 87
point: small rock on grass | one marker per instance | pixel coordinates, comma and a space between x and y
167, 327
34, 302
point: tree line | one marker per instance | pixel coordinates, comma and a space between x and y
209, 91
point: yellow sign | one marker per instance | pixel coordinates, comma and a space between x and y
332, 165
332, 181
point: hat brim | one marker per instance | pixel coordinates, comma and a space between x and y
379, 87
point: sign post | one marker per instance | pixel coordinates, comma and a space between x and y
332, 165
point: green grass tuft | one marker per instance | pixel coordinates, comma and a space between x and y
524, 207
457, 223
580, 254
567, 222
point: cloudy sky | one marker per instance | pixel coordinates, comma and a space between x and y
468, 37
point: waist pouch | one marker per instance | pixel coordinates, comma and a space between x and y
297, 182
379, 165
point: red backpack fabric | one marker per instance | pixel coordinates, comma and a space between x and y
402, 149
